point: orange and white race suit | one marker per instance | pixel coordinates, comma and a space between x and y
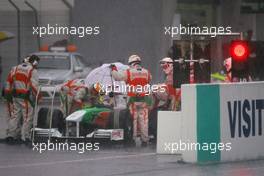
22, 84
136, 78
174, 95
73, 93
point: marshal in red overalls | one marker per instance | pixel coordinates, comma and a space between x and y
137, 79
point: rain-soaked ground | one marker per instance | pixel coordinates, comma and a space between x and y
23, 161
108, 161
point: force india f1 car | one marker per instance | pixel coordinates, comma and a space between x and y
114, 124
89, 123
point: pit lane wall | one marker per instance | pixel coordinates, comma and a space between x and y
221, 122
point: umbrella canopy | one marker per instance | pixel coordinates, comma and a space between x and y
4, 35
103, 75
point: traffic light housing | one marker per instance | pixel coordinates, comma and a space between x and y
239, 51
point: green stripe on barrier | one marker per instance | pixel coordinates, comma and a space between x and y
208, 121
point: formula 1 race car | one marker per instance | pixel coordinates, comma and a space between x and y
113, 123
95, 122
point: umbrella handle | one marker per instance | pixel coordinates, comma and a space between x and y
112, 87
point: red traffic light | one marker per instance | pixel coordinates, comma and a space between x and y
239, 50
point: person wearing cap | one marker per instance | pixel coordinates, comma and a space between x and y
229, 77
228, 69
136, 77
22, 88
72, 94
96, 96
174, 95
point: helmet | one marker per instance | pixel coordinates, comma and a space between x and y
134, 59
33, 59
97, 87
166, 60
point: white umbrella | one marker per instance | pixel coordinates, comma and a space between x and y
103, 75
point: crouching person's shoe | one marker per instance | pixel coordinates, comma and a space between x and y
9, 140
28, 142
18, 141
144, 144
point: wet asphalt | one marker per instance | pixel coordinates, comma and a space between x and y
107, 160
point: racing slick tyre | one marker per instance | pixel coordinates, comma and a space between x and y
153, 124
57, 119
125, 122
42, 118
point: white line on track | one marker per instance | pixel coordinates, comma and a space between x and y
76, 161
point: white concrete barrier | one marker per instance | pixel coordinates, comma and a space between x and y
168, 131
221, 122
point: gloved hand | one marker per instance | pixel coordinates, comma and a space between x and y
113, 67
181, 60
111, 94
202, 61
65, 89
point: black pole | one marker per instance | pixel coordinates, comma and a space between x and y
18, 31
36, 19
70, 16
